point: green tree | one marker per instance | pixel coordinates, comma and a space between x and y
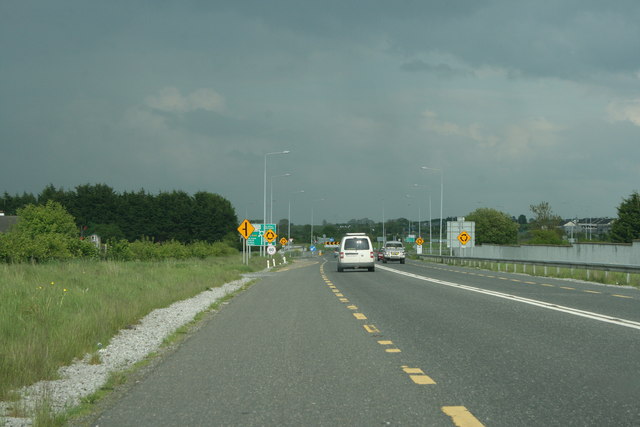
10, 204
544, 218
94, 204
545, 225
134, 215
173, 216
52, 218
493, 226
626, 227
43, 233
214, 218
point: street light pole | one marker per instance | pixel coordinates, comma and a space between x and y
441, 198
264, 210
317, 200
289, 221
271, 198
416, 186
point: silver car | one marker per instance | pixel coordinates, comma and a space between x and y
393, 251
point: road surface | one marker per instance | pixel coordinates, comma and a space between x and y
415, 344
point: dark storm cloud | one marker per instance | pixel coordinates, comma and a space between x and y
191, 95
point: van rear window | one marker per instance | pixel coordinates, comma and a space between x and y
356, 244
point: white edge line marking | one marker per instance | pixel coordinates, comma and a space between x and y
547, 305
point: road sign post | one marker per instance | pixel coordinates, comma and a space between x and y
245, 229
461, 234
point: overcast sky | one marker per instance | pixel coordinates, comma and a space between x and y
515, 102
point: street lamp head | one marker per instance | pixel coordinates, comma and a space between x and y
277, 152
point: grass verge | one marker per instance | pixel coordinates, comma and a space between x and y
589, 275
53, 313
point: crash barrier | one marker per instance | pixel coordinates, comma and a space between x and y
544, 268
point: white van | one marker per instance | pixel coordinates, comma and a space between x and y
356, 251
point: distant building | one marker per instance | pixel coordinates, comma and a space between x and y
588, 226
95, 239
7, 221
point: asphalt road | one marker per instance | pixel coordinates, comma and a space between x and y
415, 344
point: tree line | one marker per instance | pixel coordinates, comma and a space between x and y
207, 217
166, 216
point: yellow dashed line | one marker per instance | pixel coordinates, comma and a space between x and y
461, 416
371, 329
516, 280
621, 296
385, 342
503, 278
335, 291
544, 284
393, 350
344, 300
339, 295
359, 316
418, 376
352, 307
593, 292
568, 288
532, 283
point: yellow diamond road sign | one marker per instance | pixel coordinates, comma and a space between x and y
283, 241
246, 228
419, 241
270, 236
464, 237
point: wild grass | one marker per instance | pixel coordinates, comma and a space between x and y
52, 313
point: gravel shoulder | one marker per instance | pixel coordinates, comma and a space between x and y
128, 347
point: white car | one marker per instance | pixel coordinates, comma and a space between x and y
356, 251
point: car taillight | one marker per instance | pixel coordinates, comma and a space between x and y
371, 255
341, 255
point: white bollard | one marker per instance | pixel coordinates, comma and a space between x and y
284, 259
268, 267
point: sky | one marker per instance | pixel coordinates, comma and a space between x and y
507, 103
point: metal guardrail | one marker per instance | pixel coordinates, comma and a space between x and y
468, 261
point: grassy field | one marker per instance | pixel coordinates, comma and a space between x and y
53, 313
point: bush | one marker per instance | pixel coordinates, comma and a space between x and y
172, 249
222, 249
44, 233
144, 250
200, 250
118, 250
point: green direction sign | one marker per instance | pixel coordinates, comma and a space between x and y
255, 239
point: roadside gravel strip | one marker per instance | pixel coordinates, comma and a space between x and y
128, 347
